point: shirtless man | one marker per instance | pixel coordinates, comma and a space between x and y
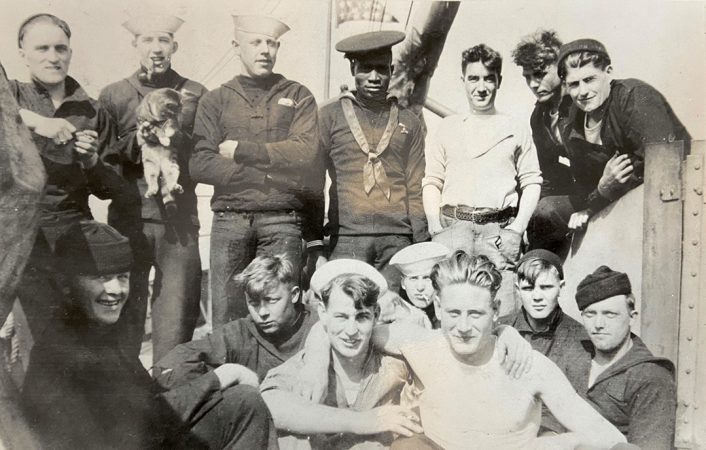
461, 371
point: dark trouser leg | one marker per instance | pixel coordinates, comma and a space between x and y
278, 233
353, 247
385, 249
232, 249
177, 286
416, 442
240, 420
132, 318
548, 227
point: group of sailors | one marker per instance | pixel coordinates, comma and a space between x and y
423, 313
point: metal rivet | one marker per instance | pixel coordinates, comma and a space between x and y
688, 371
686, 420
693, 274
696, 213
697, 166
689, 338
694, 242
698, 191
691, 306
686, 404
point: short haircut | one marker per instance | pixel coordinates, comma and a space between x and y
462, 268
481, 52
579, 59
361, 289
538, 50
265, 273
41, 17
530, 269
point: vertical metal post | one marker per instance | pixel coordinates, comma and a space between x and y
691, 370
661, 250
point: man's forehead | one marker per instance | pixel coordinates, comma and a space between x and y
155, 35
479, 69
588, 69
253, 35
616, 302
339, 301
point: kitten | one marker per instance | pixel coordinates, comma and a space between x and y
158, 122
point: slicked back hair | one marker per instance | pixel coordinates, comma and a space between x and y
265, 273
361, 289
462, 268
538, 50
486, 55
41, 17
580, 59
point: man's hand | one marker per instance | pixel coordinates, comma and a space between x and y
516, 350
579, 220
86, 148
314, 259
617, 172
230, 374
435, 227
396, 419
227, 149
58, 130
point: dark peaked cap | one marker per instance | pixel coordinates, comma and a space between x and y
370, 42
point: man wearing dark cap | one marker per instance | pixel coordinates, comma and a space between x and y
541, 321
628, 385
537, 55
83, 391
373, 150
167, 241
608, 126
255, 144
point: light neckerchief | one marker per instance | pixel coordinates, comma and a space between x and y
373, 170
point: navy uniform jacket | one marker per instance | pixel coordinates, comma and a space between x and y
276, 146
68, 184
635, 114
81, 391
556, 176
562, 343
121, 99
191, 364
351, 210
637, 394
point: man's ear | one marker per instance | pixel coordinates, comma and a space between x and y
321, 308
236, 46
561, 284
294, 293
22, 54
175, 46
500, 80
134, 42
437, 306
496, 310
609, 69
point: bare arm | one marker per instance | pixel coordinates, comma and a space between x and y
431, 197
526, 207
588, 426
295, 414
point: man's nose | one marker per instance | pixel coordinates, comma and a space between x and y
52, 55
351, 327
463, 324
113, 286
599, 322
583, 89
374, 75
263, 311
534, 83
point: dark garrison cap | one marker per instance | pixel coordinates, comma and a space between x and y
544, 255
370, 42
580, 45
600, 285
92, 248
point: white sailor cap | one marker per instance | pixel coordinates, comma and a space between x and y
419, 259
254, 23
153, 22
332, 269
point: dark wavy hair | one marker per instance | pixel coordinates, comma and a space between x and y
462, 268
537, 50
481, 52
41, 17
361, 289
580, 59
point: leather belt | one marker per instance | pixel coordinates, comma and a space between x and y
479, 215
